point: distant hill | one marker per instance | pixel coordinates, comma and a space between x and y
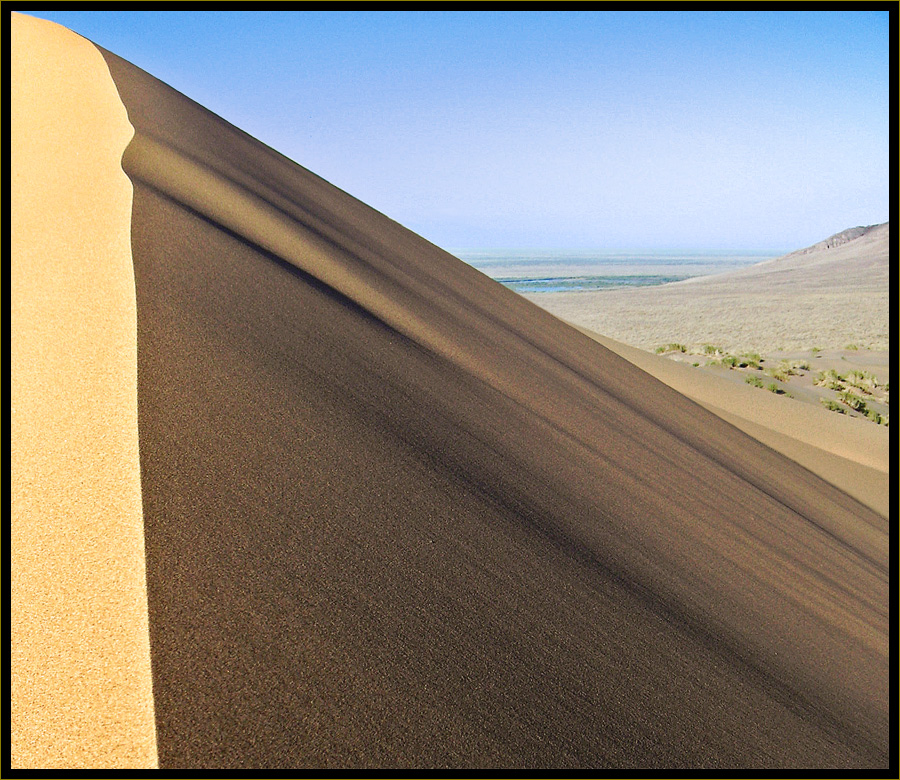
844, 237
860, 252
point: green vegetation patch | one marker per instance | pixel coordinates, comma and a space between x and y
781, 372
853, 401
877, 417
862, 380
830, 379
673, 347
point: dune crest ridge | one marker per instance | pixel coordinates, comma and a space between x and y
399, 516
80, 687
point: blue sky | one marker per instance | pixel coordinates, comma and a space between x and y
555, 129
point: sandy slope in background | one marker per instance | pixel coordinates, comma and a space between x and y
850, 453
80, 683
826, 296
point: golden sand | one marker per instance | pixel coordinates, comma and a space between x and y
81, 692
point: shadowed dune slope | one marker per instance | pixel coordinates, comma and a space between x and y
398, 516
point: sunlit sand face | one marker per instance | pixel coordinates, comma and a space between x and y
80, 686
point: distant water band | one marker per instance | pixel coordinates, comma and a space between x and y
573, 271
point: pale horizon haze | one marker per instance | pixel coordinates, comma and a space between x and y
711, 130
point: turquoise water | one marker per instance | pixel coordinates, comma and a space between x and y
528, 271
578, 283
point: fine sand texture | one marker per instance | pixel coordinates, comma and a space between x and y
80, 687
829, 295
398, 516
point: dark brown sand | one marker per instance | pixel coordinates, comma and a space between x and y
398, 516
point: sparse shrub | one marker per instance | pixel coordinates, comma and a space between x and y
673, 347
751, 359
853, 401
695, 365
773, 388
816, 351
709, 349
862, 380
832, 406
830, 379
755, 381
852, 346
874, 416
729, 360
782, 372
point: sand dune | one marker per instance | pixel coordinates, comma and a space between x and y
829, 295
397, 516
